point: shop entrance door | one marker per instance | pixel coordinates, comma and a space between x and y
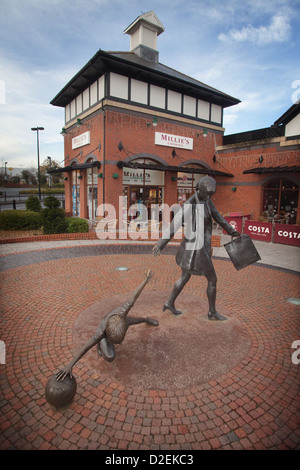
145, 196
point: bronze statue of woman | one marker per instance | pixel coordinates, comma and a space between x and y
194, 254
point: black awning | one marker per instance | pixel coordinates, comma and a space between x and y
175, 169
79, 166
273, 169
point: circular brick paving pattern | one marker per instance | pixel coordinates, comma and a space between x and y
244, 397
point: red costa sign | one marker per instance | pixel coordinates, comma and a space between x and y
258, 230
287, 234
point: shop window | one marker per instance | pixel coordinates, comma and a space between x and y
92, 192
142, 189
76, 193
280, 200
186, 183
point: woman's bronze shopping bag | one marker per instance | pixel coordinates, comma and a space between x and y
242, 252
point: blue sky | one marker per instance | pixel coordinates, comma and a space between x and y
248, 49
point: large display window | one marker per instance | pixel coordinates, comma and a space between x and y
76, 193
144, 188
186, 183
280, 201
92, 192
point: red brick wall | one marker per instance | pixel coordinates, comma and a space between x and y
137, 135
249, 187
137, 138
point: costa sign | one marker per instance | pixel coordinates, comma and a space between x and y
258, 230
287, 234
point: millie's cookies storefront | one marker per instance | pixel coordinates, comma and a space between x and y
139, 129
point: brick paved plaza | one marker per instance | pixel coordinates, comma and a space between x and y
187, 384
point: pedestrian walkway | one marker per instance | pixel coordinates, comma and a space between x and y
272, 254
188, 384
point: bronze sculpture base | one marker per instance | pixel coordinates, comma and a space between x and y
183, 350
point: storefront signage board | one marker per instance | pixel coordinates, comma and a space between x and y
174, 141
258, 230
236, 222
143, 177
287, 234
81, 140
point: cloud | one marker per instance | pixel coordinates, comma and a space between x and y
278, 30
25, 104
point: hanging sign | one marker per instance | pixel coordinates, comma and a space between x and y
81, 140
258, 230
175, 141
287, 234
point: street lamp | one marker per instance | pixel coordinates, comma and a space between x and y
37, 129
49, 158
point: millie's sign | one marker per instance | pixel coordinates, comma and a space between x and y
81, 140
176, 141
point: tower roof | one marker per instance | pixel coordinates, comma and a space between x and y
150, 19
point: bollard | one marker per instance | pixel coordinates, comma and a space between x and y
14, 204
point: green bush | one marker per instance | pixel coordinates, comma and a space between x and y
33, 203
76, 225
20, 220
53, 217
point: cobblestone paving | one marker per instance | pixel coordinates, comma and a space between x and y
253, 405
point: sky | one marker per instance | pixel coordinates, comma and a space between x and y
248, 49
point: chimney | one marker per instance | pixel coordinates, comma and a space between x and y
143, 36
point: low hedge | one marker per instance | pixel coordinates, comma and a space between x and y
48, 191
77, 225
31, 220
20, 220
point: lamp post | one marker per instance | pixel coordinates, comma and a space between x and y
37, 129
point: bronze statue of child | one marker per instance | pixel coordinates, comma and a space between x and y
111, 331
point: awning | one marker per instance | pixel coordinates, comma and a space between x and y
79, 166
273, 169
159, 167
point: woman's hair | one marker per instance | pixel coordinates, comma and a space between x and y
206, 186
116, 329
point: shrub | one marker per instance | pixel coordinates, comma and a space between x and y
77, 225
33, 203
53, 217
20, 220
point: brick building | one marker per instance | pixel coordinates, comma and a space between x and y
265, 163
137, 128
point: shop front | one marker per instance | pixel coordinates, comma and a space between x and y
92, 193
280, 201
148, 186
76, 177
81, 188
143, 189
187, 182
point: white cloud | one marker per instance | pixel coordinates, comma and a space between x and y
26, 105
278, 30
